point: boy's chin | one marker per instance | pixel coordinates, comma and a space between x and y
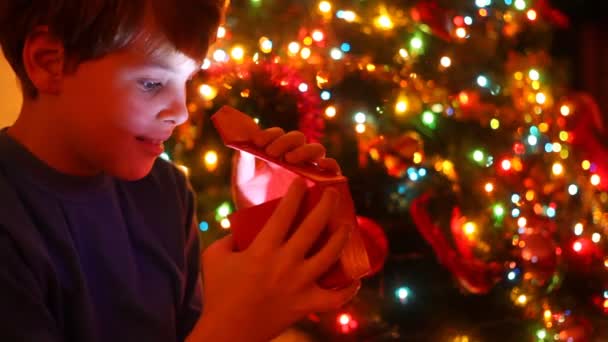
130, 171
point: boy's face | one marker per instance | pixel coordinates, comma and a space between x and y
119, 109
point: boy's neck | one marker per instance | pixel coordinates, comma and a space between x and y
36, 130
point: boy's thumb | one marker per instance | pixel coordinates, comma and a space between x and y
221, 246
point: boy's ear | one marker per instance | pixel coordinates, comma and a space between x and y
44, 60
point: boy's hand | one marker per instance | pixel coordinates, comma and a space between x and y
254, 179
255, 294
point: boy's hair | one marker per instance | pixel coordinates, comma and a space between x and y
90, 29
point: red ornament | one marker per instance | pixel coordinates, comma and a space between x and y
551, 14
429, 13
476, 276
539, 256
375, 241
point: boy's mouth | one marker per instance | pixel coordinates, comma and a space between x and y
150, 141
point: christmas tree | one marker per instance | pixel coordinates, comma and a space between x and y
463, 146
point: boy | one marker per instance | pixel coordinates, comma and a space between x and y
97, 235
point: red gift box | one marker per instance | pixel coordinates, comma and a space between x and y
235, 129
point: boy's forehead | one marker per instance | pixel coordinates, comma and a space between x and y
162, 54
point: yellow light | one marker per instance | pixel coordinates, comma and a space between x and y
495, 123
564, 110
596, 237
221, 32
586, 165
518, 75
305, 53
461, 32
384, 22
325, 6
401, 107
211, 159
349, 16
522, 299
557, 147
564, 136
360, 128
318, 36
417, 158
184, 169
532, 15
483, 12
225, 223
207, 92
535, 85
266, 45
543, 127
403, 53
578, 229
541, 98
238, 53
489, 187
308, 41
534, 75
371, 68
595, 180
330, 111
470, 228
522, 222
530, 195
606, 262
547, 315
293, 48
445, 61
558, 169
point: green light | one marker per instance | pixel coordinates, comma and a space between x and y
416, 43
520, 4
499, 211
256, 3
541, 334
478, 156
223, 210
428, 118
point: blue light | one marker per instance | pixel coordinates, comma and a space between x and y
508, 2
548, 147
411, 172
401, 189
165, 156
422, 172
345, 47
551, 212
203, 226
325, 95
515, 198
521, 230
403, 293
512, 275
515, 212
534, 130
340, 14
606, 294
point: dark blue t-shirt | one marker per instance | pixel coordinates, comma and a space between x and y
95, 258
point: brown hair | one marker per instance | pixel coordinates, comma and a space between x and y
91, 28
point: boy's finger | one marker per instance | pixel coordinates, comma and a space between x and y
322, 300
285, 143
319, 263
265, 137
308, 231
305, 153
221, 246
329, 164
280, 221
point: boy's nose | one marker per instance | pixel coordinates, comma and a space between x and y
176, 115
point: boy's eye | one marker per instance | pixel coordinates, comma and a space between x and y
148, 85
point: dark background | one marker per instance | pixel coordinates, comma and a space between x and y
585, 46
